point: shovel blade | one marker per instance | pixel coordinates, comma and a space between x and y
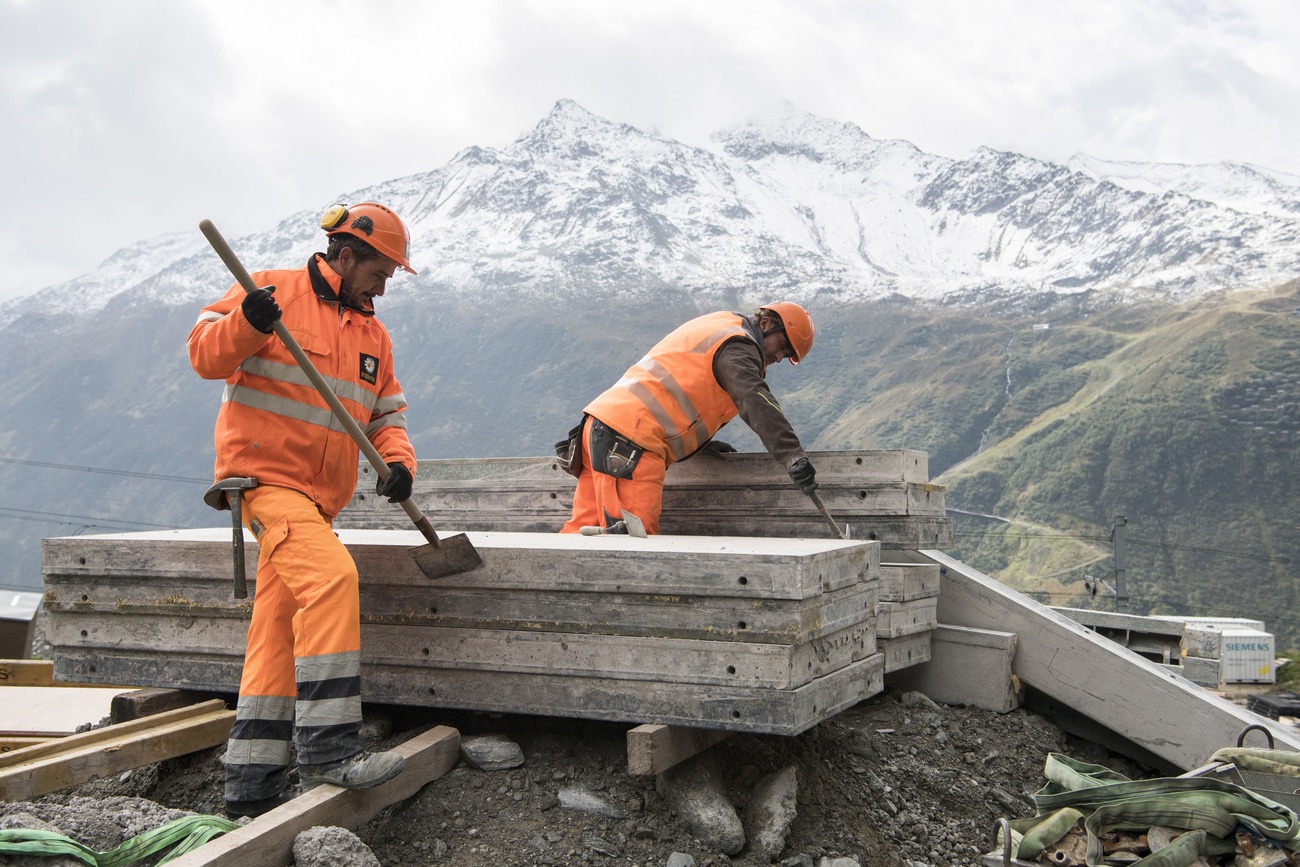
452, 556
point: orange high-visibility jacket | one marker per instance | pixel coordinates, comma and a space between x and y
670, 402
273, 424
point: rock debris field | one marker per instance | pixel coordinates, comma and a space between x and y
895, 780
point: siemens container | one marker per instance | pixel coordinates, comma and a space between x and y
1248, 656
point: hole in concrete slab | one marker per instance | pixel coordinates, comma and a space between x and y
871, 536
555, 466
862, 495
552, 496
433, 609
92, 669
731, 669
85, 598
425, 651
859, 461
742, 625
742, 580
735, 714
84, 633
431, 691
81, 561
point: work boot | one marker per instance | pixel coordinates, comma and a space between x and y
362, 771
253, 809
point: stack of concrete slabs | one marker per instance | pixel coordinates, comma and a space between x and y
746, 634
881, 495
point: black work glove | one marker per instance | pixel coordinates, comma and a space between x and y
397, 486
803, 474
717, 448
260, 309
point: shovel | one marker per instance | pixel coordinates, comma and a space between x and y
439, 558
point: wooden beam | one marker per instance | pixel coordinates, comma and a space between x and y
151, 701
37, 672
34, 771
653, 749
268, 839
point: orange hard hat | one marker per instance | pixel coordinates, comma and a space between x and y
798, 327
376, 225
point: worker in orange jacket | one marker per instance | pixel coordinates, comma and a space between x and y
669, 405
302, 670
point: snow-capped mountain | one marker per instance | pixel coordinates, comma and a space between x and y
803, 207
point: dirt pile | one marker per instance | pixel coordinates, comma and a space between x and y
895, 780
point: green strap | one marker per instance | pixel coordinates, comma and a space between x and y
1260, 761
186, 833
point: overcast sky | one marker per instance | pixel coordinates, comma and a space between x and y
124, 119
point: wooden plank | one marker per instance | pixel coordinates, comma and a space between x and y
52, 711
771, 711
966, 667
905, 582
776, 568
268, 839
905, 652
112, 732
37, 672
663, 614
140, 703
897, 619
71, 766
1094, 677
653, 749
8, 745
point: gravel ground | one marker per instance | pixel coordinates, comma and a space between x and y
896, 780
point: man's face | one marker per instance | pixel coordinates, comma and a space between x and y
362, 281
776, 346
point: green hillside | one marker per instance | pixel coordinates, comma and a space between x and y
1185, 420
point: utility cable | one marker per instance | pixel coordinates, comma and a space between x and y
159, 476
60, 518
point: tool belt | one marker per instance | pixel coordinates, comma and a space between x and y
612, 453
568, 451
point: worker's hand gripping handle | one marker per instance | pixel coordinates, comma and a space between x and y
349, 423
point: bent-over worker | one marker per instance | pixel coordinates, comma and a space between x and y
669, 405
302, 671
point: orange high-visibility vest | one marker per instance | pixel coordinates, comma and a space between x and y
273, 424
670, 402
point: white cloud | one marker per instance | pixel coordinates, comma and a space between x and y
131, 118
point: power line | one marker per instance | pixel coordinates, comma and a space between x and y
60, 518
1263, 557
159, 476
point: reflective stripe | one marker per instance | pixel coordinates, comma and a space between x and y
210, 316
296, 410
273, 707
393, 419
241, 751
660, 414
293, 374
721, 334
392, 403
329, 711
327, 666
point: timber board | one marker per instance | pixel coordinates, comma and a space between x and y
734, 708
766, 665
779, 568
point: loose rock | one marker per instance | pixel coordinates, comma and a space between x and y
331, 847
697, 792
491, 752
770, 813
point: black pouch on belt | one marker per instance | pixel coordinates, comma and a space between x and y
568, 451
612, 453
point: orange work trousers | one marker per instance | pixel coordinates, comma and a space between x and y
601, 499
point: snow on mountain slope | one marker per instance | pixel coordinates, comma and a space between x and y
1240, 186
801, 207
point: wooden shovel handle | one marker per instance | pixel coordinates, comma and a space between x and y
349, 423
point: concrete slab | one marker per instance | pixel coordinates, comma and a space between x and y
966, 667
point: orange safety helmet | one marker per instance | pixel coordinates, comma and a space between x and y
798, 326
376, 225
